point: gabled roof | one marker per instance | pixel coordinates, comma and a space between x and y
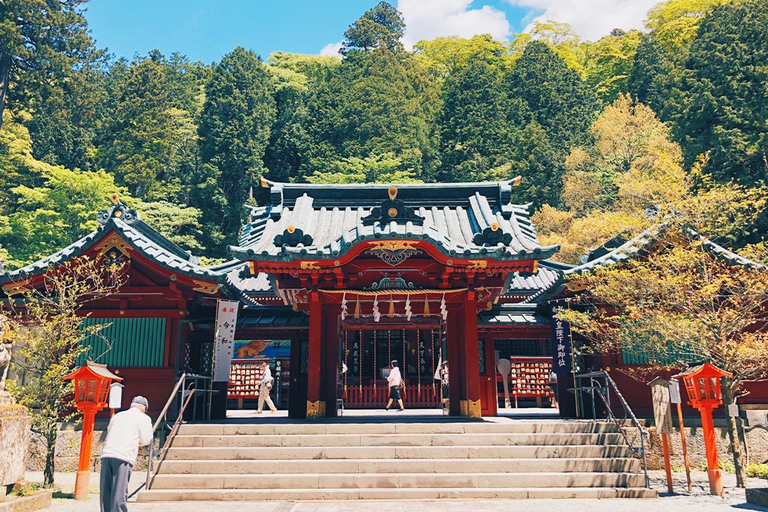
465, 220
127, 224
643, 241
511, 314
526, 284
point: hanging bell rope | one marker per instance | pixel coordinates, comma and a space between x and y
357, 308
426, 306
391, 312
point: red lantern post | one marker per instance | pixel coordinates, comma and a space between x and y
92, 383
702, 383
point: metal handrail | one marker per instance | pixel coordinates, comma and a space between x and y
604, 393
179, 389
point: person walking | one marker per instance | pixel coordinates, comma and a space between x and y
266, 386
127, 431
394, 381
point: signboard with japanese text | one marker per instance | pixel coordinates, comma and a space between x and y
561, 341
226, 318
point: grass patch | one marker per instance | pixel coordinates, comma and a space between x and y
757, 470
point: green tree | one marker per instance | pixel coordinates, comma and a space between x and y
476, 124
377, 102
380, 27
234, 129
443, 56
692, 305
150, 140
556, 96
39, 42
609, 64
723, 94
50, 334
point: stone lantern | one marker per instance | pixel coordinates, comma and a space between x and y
702, 382
92, 385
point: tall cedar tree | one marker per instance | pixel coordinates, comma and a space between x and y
380, 27
475, 133
39, 42
563, 107
234, 130
724, 94
378, 101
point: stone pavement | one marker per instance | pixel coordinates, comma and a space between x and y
699, 500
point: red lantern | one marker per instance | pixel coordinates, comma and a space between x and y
702, 383
92, 383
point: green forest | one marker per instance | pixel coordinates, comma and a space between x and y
607, 135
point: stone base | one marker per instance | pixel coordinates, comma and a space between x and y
758, 497
14, 442
35, 501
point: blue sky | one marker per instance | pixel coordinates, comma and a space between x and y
205, 30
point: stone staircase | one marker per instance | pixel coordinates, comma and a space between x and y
429, 460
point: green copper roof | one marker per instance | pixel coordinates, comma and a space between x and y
326, 221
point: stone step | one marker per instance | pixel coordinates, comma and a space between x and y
362, 466
351, 440
396, 480
279, 453
517, 427
338, 494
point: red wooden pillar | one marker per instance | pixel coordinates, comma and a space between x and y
330, 341
491, 400
456, 379
315, 406
471, 404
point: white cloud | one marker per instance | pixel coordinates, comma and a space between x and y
331, 49
428, 19
591, 19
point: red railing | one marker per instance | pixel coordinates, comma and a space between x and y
369, 396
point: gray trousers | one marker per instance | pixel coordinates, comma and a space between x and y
115, 474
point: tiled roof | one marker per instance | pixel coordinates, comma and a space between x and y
511, 314
139, 235
325, 221
526, 284
643, 242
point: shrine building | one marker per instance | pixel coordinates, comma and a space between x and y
331, 283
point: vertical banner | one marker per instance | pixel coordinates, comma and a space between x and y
561, 340
226, 318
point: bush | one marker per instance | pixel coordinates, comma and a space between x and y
757, 470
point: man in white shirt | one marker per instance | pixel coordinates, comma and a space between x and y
126, 432
394, 380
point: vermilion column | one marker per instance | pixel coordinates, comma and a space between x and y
84, 466
472, 406
315, 406
456, 381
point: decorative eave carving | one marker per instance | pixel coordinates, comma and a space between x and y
392, 209
205, 287
492, 235
292, 237
119, 211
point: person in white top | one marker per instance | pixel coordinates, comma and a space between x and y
394, 381
126, 432
266, 386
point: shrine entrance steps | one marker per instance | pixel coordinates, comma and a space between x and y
424, 460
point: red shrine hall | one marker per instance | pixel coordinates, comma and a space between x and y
328, 285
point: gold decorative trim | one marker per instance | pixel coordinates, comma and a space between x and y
205, 287
117, 242
309, 265
394, 245
291, 228
16, 288
392, 192
315, 410
477, 264
470, 408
